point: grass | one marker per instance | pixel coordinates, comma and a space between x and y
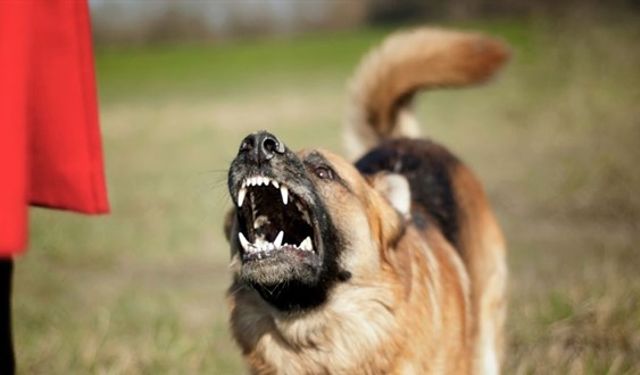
556, 140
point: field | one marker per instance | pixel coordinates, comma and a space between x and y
556, 139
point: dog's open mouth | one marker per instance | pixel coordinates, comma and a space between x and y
273, 221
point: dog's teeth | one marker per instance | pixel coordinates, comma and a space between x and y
275, 184
285, 194
243, 241
306, 244
278, 241
241, 194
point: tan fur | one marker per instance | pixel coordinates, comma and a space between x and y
380, 321
414, 304
407, 309
387, 78
483, 251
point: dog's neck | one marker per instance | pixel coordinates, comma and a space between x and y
352, 320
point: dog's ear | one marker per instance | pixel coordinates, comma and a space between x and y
392, 204
395, 188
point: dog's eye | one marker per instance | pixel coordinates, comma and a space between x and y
324, 173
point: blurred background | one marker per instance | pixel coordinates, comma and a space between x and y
556, 140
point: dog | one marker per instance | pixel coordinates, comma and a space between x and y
393, 264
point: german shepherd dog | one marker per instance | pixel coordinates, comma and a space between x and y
392, 265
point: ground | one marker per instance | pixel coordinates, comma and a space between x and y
555, 139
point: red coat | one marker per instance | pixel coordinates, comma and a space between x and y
50, 150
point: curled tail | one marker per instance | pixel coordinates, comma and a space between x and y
383, 86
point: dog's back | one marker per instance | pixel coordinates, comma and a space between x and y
445, 195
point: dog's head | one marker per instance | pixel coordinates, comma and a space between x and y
305, 221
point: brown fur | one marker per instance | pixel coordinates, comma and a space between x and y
388, 77
416, 303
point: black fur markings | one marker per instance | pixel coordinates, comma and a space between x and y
428, 167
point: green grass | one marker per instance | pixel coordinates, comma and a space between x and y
231, 67
556, 140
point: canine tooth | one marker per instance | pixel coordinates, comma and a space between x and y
306, 244
275, 183
243, 241
241, 194
285, 194
278, 241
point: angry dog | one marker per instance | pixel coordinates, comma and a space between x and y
393, 264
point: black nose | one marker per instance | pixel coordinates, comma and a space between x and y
261, 146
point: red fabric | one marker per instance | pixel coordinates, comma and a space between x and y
50, 150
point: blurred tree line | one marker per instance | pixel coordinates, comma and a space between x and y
123, 21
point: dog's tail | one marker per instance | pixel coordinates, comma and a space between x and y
383, 86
